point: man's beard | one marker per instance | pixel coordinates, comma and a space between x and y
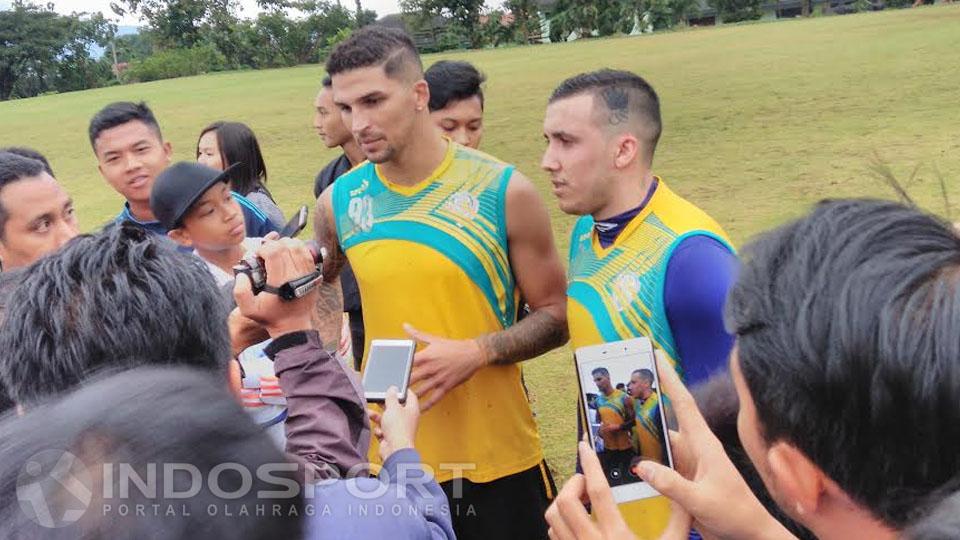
386, 155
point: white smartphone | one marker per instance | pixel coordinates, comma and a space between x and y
389, 364
621, 401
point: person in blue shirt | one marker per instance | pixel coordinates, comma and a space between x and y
131, 152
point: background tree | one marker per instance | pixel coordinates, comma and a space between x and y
179, 23
465, 14
42, 51
300, 40
493, 30
364, 16
738, 10
133, 47
526, 19
580, 16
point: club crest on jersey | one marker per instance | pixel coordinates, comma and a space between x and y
464, 204
626, 289
360, 212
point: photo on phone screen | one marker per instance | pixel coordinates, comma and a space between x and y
389, 364
620, 392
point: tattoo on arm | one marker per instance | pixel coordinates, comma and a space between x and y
326, 236
538, 333
328, 317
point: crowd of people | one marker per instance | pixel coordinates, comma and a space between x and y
821, 364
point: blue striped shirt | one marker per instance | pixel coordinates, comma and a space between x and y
258, 225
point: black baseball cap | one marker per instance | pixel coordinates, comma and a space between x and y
179, 186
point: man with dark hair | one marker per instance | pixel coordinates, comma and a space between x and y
428, 218
36, 214
126, 305
615, 408
32, 154
131, 152
847, 375
456, 100
227, 479
329, 126
643, 260
124, 298
171, 428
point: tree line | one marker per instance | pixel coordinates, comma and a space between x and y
42, 51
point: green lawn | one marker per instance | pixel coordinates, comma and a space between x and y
761, 120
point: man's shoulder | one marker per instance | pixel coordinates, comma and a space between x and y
348, 175
329, 173
465, 152
580, 235
683, 215
479, 160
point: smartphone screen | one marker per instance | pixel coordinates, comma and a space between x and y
620, 392
389, 364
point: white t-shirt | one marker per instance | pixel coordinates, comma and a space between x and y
223, 278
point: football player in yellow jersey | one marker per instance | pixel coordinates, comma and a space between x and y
443, 239
643, 261
616, 411
646, 402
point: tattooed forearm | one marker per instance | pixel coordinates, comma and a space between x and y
326, 236
328, 317
538, 333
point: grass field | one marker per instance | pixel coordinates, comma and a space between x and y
761, 120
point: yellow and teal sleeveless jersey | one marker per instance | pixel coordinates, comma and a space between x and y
435, 255
648, 432
616, 293
614, 410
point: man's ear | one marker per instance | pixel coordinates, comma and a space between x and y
168, 150
628, 149
421, 91
795, 482
180, 236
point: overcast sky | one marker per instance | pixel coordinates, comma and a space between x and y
382, 7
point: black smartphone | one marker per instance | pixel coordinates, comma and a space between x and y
296, 224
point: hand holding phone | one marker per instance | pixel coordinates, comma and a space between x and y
396, 426
620, 393
389, 364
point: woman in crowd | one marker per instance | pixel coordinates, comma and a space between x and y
221, 144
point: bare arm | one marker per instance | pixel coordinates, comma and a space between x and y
328, 317
540, 277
